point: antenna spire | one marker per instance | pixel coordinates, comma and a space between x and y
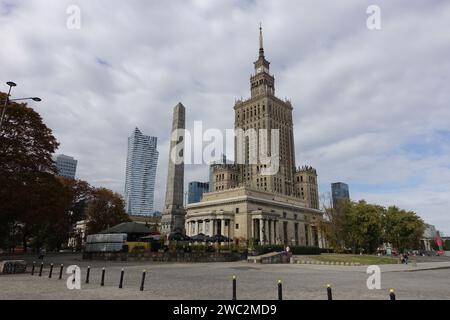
261, 46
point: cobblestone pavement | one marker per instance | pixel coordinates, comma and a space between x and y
428, 280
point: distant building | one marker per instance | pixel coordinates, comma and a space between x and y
142, 161
305, 186
212, 167
196, 190
66, 166
339, 191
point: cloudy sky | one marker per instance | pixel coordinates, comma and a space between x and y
371, 107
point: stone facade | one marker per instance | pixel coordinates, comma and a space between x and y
173, 217
247, 203
305, 186
243, 214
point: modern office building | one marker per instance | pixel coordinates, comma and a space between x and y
142, 161
339, 191
196, 190
66, 166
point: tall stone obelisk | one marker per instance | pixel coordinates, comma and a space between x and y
173, 216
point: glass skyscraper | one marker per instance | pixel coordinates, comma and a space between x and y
66, 166
142, 161
339, 191
196, 190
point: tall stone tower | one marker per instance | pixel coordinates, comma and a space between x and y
173, 216
263, 110
305, 185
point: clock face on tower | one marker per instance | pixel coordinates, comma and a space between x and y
262, 69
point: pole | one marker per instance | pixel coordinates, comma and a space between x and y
121, 279
32, 269
4, 107
61, 271
392, 294
142, 281
234, 288
103, 277
40, 269
87, 274
280, 290
51, 271
329, 293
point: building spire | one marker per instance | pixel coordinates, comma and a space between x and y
261, 46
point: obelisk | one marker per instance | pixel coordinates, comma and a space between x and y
173, 216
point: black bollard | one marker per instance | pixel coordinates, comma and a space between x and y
121, 279
329, 293
40, 269
234, 288
103, 277
88, 273
392, 294
280, 290
51, 271
61, 271
32, 268
142, 280
14, 268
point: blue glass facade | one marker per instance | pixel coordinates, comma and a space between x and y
196, 190
339, 191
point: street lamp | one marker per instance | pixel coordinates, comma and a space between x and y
12, 84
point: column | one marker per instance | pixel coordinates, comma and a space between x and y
261, 234
270, 230
222, 229
275, 231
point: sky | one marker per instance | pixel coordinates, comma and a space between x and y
371, 107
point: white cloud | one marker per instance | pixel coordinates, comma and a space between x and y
367, 104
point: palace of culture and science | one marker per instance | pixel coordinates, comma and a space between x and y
282, 208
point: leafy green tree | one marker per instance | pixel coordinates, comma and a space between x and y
403, 229
363, 226
26, 148
105, 209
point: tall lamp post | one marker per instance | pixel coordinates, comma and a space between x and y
7, 100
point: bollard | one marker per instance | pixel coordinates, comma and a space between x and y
142, 281
14, 268
280, 290
40, 269
87, 274
121, 279
51, 271
234, 288
392, 294
32, 269
329, 293
61, 271
103, 277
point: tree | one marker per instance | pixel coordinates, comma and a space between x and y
333, 222
105, 209
26, 148
403, 229
363, 226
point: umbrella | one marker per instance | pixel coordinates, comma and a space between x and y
219, 238
201, 237
178, 236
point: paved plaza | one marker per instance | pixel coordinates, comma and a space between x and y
424, 280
